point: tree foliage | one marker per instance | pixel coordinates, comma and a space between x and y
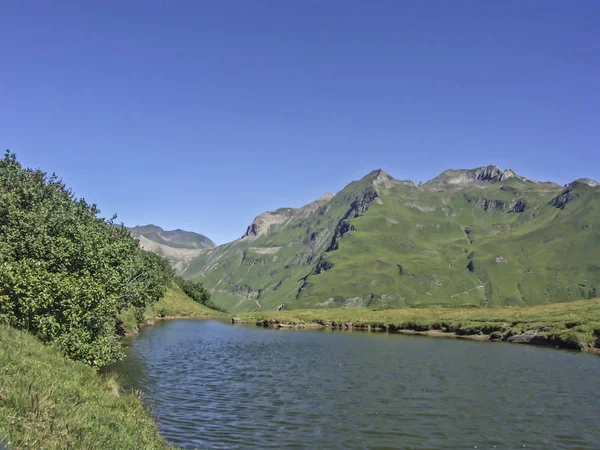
197, 292
65, 272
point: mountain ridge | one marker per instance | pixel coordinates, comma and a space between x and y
178, 246
469, 236
175, 238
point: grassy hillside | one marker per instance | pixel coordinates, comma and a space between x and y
570, 325
478, 237
49, 402
174, 304
263, 271
542, 255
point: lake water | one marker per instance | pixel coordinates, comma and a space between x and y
214, 385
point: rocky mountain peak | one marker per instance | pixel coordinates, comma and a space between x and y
488, 173
480, 175
324, 198
378, 175
263, 222
588, 181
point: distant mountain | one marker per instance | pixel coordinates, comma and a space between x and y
482, 236
178, 246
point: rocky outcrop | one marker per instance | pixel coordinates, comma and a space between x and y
381, 179
519, 206
241, 289
358, 207
538, 337
343, 227
361, 205
488, 205
471, 266
481, 175
497, 205
588, 181
321, 266
564, 198
264, 222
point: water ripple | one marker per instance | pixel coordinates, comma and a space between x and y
215, 386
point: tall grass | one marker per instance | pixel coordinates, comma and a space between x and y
49, 402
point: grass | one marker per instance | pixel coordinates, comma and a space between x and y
573, 324
175, 303
49, 402
539, 256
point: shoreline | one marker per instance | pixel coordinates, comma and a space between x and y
531, 338
571, 326
148, 323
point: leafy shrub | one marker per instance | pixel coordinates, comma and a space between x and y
197, 292
66, 273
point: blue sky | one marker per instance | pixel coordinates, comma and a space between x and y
202, 114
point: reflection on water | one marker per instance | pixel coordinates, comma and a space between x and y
213, 385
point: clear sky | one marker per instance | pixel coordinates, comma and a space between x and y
202, 114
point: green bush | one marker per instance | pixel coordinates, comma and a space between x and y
197, 292
65, 272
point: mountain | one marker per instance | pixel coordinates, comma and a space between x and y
178, 246
481, 236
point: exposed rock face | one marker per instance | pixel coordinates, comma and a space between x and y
343, 227
587, 181
357, 208
497, 205
507, 174
262, 223
361, 205
480, 175
488, 205
471, 266
565, 197
528, 337
519, 206
321, 266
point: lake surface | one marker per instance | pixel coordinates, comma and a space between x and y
214, 385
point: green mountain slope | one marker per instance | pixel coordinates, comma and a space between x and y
480, 236
178, 246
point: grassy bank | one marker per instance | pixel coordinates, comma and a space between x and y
50, 402
570, 325
174, 304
